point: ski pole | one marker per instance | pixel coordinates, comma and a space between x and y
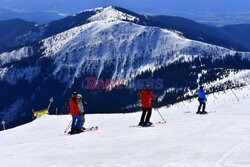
159, 112
3, 122
68, 126
131, 108
50, 101
235, 95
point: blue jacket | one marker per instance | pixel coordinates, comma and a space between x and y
201, 94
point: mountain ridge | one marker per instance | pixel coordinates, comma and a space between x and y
205, 33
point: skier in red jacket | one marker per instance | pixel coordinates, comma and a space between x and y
76, 116
146, 97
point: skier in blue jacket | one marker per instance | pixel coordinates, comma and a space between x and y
202, 99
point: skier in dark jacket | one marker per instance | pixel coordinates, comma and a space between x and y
202, 99
76, 116
146, 97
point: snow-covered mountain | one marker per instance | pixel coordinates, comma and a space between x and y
188, 28
111, 45
216, 139
98, 14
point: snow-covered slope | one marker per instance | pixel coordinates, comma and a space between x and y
190, 140
130, 48
126, 47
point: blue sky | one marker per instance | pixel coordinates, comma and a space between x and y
141, 6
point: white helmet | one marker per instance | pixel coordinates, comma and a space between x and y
79, 96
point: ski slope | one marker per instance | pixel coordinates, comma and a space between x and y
187, 140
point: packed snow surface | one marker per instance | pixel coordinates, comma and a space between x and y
213, 140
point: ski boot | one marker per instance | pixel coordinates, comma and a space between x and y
203, 112
141, 124
79, 130
72, 131
148, 123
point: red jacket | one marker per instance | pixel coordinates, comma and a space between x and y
146, 97
73, 104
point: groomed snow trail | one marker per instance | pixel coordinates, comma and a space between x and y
218, 139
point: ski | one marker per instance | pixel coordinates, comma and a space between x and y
86, 130
90, 129
156, 123
141, 126
160, 122
211, 112
208, 112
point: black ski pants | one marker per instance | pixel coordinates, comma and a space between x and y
146, 112
203, 105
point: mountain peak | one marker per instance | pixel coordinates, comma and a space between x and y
110, 14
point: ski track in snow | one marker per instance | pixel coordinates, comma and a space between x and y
219, 139
230, 152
